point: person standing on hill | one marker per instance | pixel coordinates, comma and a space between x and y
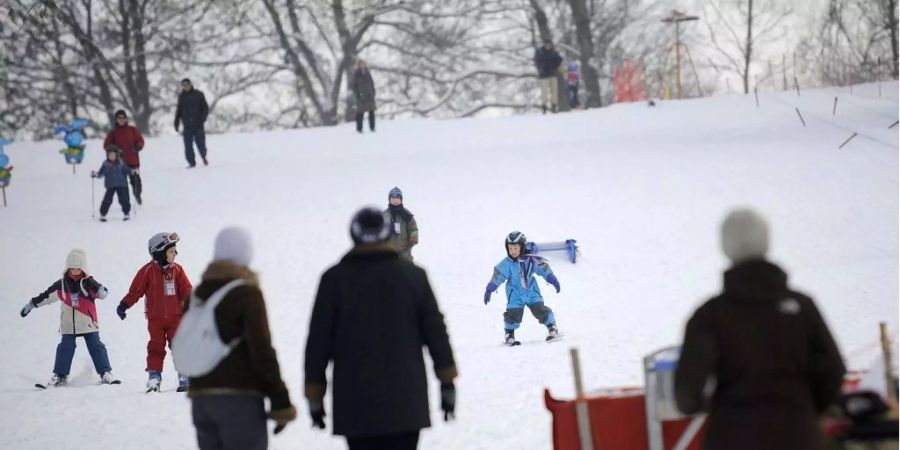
364, 93
128, 140
547, 62
404, 229
192, 112
773, 361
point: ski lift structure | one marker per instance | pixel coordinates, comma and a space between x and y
567, 246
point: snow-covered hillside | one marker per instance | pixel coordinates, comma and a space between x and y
643, 190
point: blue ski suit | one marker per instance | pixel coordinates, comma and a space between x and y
522, 289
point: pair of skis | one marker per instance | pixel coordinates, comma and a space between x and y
549, 339
44, 387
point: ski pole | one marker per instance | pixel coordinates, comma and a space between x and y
93, 179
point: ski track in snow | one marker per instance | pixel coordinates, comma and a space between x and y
643, 190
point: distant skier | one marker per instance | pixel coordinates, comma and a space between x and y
116, 175
165, 288
129, 140
192, 111
547, 62
404, 229
76, 291
364, 92
518, 270
572, 82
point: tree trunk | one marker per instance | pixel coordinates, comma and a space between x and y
748, 47
586, 48
891, 20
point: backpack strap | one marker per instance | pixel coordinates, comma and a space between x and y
217, 297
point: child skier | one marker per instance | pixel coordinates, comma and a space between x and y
116, 173
165, 287
76, 291
404, 229
518, 270
129, 140
572, 81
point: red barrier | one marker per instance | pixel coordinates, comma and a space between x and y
618, 422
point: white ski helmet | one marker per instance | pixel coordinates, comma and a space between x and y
161, 242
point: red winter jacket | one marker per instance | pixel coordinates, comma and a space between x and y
165, 290
129, 140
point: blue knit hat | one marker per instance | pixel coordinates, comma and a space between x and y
395, 193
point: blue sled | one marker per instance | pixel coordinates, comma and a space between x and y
568, 246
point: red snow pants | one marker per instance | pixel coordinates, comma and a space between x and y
162, 331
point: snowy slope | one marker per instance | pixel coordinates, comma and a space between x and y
642, 189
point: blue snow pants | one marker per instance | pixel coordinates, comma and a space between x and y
65, 351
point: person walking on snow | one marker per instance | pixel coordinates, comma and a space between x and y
165, 288
116, 175
129, 141
364, 93
192, 111
404, 229
547, 62
372, 315
572, 81
518, 270
76, 291
228, 403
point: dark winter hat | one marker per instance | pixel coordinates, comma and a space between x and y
187, 80
745, 235
395, 193
121, 113
370, 226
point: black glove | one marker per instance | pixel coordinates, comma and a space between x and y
176, 126
26, 309
317, 413
120, 310
448, 401
93, 174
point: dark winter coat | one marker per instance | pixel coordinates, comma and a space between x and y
775, 363
405, 232
251, 367
547, 62
364, 90
372, 315
115, 174
192, 109
129, 140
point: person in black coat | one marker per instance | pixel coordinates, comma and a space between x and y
373, 313
192, 112
364, 93
775, 365
547, 62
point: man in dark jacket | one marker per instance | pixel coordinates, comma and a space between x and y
228, 403
775, 365
364, 93
192, 111
547, 62
372, 315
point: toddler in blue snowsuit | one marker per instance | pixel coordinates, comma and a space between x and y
518, 270
116, 173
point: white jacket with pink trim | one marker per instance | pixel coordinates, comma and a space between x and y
78, 313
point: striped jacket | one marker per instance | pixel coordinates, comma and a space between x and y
78, 313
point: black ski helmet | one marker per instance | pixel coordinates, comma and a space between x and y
516, 237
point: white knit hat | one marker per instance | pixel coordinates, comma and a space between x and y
745, 235
77, 259
233, 244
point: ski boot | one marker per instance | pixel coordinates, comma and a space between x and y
103, 218
510, 340
183, 383
57, 381
126, 218
154, 381
108, 378
552, 333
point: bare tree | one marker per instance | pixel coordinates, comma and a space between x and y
747, 26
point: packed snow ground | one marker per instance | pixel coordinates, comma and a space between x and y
643, 190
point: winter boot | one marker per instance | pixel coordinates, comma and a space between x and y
103, 218
511, 338
183, 383
57, 381
154, 381
108, 378
552, 332
126, 217
137, 198
205, 162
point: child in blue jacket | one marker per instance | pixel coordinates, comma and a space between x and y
116, 173
518, 270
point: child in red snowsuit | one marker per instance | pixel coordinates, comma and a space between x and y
165, 287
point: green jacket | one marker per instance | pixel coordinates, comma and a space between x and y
404, 233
